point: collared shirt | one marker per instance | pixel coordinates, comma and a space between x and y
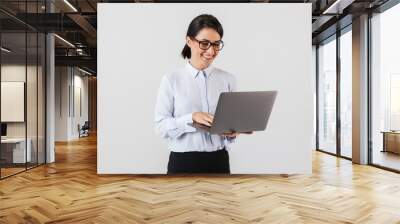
184, 92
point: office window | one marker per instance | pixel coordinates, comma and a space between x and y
346, 93
385, 88
327, 96
314, 71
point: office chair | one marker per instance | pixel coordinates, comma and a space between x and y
84, 130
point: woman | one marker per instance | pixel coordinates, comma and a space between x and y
190, 95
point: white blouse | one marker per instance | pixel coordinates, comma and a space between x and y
183, 92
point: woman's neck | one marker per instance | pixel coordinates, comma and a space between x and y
197, 65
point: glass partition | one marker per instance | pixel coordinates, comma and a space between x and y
41, 107
346, 94
22, 67
327, 96
13, 110
32, 95
385, 89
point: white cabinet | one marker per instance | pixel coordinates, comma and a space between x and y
18, 149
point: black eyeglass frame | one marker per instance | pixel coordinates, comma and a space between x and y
216, 45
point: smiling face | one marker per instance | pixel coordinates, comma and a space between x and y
200, 58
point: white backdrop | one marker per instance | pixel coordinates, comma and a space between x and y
267, 47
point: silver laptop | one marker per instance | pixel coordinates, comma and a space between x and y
241, 112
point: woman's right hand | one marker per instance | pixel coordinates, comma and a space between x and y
203, 118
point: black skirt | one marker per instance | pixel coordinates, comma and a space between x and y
199, 162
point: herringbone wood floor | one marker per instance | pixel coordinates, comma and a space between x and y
70, 191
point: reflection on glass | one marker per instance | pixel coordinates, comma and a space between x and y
395, 101
346, 93
31, 101
32, 86
41, 98
386, 89
327, 96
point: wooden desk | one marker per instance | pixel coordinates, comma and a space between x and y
391, 141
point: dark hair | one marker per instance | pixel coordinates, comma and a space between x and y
197, 24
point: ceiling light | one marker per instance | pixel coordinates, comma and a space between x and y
70, 5
331, 7
84, 71
64, 40
5, 50
338, 6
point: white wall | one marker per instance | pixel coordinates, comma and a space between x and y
80, 84
68, 81
268, 47
61, 103
12, 101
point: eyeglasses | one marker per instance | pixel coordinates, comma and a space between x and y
205, 44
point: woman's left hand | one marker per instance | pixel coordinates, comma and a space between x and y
231, 134
235, 134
